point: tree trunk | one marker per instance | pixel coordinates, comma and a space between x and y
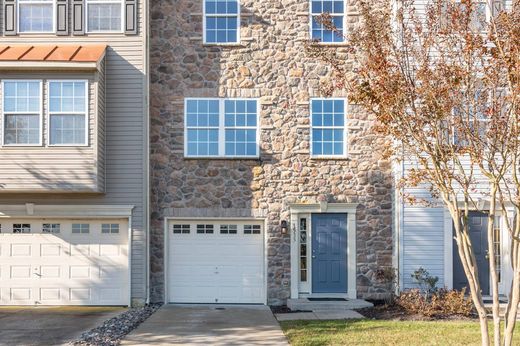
512, 309
492, 266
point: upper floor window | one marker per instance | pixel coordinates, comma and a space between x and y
221, 21
328, 128
22, 110
104, 15
68, 113
35, 16
336, 9
221, 128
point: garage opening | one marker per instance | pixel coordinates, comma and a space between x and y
216, 261
64, 262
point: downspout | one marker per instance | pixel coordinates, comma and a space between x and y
146, 154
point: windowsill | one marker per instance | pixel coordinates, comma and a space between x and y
220, 158
329, 44
224, 45
330, 158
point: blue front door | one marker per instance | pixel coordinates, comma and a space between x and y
329, 253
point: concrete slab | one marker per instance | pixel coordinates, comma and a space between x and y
208, 325
338, 315
294, 316
35, 326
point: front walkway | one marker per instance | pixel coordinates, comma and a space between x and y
209, 325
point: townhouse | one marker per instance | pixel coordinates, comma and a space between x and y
262, 189
73, 152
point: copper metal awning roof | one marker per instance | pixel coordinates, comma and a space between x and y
51, 56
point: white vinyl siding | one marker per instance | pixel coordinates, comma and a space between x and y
104, 15
36, 16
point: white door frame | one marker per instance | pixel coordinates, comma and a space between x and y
300, 209
166, 244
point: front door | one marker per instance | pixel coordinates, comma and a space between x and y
329, 253
478, 236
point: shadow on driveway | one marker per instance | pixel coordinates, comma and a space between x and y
45, 326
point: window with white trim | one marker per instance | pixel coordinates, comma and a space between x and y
205, 229
110, 228
35, 16
22, 108
181, 229
21, 228
80, 228
228, 229
328, 128
221, 128
51, 228
221, 21
336, 10
104, 15
68, 112
252, 229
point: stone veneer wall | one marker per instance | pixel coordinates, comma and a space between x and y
270, 63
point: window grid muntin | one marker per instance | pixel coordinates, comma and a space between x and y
73, 114
110, 228
205, 228
338, 17
243, 131
21, 228
181, 229
51, 228
27, 3
221, 16
229, 229
120, 23
80, 228
252, 229
218, 148
19, 113
335, 129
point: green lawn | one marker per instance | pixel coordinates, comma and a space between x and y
379, 332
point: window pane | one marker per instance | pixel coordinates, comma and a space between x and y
67, 129
222, 21
36, 16
104, 16
22, 96
22, 129
328, 127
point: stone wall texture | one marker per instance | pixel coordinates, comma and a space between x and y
270, 64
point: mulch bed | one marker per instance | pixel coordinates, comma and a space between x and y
283, 309
381, 311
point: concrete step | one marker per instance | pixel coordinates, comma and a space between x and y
303, 304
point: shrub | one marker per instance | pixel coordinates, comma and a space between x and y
426, 282
441, 303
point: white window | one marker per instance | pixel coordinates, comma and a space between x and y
35, 16
21, 228
336, 10
80, 228
205, 229
51, 228
252, 229
68, 120
110, 228
221, 128
328, 134
104, 15
221, 21
22, 109
181, 229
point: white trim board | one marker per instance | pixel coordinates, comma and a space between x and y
316, 208
31, 210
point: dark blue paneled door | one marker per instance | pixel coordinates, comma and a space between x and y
329, 253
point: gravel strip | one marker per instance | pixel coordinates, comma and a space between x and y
113, 330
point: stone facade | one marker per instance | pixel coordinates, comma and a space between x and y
271, 64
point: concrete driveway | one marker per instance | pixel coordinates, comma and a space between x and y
47, 326
208, 325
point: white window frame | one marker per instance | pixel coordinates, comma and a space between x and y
48, 112
204, 18
123, 14
222, 129
2, 114
345, 128
36, 2
311, 20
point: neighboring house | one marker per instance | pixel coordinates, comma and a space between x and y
73, 152
425, 234
251, 167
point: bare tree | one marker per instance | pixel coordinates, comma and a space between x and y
444, 84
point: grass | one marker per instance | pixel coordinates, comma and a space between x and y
380, 332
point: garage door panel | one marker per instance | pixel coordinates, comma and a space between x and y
218, 267
64, 268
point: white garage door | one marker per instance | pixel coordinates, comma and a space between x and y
216, 262
64, 262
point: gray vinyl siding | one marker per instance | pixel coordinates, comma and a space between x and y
122, 141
